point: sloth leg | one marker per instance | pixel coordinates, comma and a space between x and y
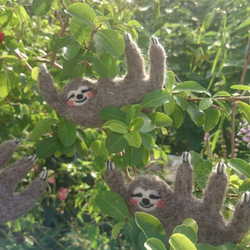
240, 222
18, 204
216, 188
134, 59
184, 177
115, 179
7, 149
157, 59
49, 90
14, 173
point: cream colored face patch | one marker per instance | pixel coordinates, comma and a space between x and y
146, 200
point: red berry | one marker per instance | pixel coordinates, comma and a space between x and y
2, 35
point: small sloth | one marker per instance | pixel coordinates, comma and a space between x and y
13, 205
82, 99
150, 194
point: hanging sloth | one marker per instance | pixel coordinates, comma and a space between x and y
150, 194
82, 99
13, 205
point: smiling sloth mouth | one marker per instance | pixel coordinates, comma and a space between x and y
146, 206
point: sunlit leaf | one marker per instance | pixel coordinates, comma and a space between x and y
133, 138
99, 149
43, 127
180, 241
160, 119
240, 166
4, 85
41, 7
211, 119
245, 110
154, 244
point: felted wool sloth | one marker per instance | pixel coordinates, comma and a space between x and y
150, 194
82, 99
13, 205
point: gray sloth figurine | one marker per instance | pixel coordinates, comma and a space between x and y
82, 99
13, 205
150, 194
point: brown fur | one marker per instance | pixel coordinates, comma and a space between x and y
180, 204
120, 91
13, 205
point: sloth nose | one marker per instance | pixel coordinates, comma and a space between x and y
145, 202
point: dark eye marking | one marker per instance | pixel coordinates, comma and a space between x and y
154, 197
85, 91
71, 96
137, 195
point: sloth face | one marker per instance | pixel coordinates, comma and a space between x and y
79, 97
146, 200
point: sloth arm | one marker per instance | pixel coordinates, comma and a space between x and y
10, 176
7, 149
216, 188
184, 178
157, 60
116, 182
134, 59
49, 90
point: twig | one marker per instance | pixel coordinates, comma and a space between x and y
16, 52
226, 99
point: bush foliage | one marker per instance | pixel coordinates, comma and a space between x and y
204, 108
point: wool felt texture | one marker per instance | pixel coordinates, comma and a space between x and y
13, 205
81, 100
151, 194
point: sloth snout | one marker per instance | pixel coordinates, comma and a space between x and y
145, 202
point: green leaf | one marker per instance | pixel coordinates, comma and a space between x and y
240, 166
41, 7
99, 149
137, 124
133, 138
67, 132
71, 50
169, 106
205, 103
151, 226
196, 115
170, 80
148, 124
115, 142
181, 102
154, 244
133, 156
147, 141
63, 149
212, 117
177, 117
245, 110
105, 66
45, 148
80, 31
155, 98
112, 204
109, 41
207, 247
132, 113
116, 229
160, 119
241, 87
246, 23
190, 86
179, 241
83, 13
116, 126
188, 231
112, 113
4, 85
191, 223
222, 94
43, 127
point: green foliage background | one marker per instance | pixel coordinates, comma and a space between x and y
205, 99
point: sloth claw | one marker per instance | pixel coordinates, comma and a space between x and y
43, 176
127, 37
186, 157
246, 197
221, 168
154, 40
110, 165
32, 158
17, 141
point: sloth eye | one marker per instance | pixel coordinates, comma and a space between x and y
137, 195
71, 96
85, 91
154, 197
